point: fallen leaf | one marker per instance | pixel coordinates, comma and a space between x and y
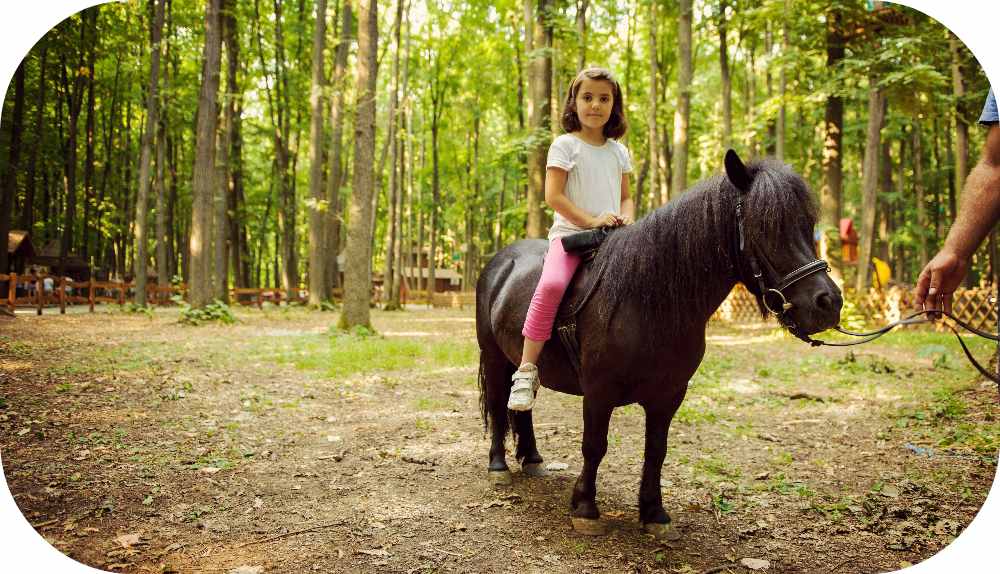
556, 466
890, 491
381, 553
210, 470
247, 570
128, 540
755, 563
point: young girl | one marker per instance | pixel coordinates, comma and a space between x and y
587, 186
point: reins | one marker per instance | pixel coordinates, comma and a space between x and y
914, 319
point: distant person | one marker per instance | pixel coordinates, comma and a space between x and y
977, 215
48, 285
586, 184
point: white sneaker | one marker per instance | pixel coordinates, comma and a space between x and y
522, 394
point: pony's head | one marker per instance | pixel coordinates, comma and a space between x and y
775, 252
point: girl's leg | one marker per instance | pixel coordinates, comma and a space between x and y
557, 271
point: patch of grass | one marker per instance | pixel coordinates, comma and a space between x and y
431, 404
716, 468
342, 355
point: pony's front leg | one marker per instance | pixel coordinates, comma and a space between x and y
596, 416
655, 519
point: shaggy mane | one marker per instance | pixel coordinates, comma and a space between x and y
670, 259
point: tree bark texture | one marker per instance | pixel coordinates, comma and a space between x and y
13, 166
539, 112
202, 186
335, 169
869, 184
317, 210
357, 272
683, 112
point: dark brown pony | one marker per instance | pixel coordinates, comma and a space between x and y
642, 331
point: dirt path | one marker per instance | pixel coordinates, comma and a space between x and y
135, 444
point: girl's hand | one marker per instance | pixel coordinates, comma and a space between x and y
625, 220
606, 219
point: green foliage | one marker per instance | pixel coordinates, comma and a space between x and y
214, 312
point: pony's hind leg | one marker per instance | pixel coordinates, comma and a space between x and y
527, 449
494, 380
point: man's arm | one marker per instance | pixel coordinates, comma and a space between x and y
977, 214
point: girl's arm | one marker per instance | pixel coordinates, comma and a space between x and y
627, 208
555, 197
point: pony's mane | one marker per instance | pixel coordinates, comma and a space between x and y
673, 260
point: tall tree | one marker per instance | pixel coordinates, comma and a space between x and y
655, 198
28, 213
9, 189
539, 104
727, 84
357, 273
239, 253
833, 128
683, 112
335, 168
74, 98
317, 210
203, 182
148, 135
961, 127
393, 142
869, 184
581, 31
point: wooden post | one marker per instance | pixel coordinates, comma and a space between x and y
12, 292
260, 298
90, 294
277, 297
39, 292
62, 295
121, 292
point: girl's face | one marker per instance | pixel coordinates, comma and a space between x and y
593, 103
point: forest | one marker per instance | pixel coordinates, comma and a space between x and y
325, 145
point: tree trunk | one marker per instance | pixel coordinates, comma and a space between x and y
88, 162
683, 112
833, 176
199, 287
239, 255
9, 191
335, 175
540, 80
782, 85
727, 84
961, 127
918, 187
393, 141
152, 123
655, 199
581, 32
28, 212
317, 210
869, 185
357, 273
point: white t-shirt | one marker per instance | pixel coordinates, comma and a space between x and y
594, 180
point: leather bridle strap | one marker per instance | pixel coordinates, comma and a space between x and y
803, 272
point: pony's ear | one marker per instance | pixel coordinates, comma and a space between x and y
737, 172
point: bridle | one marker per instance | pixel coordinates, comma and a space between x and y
779, 305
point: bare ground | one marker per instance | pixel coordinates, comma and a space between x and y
136, 444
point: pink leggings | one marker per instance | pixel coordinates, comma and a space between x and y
557, 271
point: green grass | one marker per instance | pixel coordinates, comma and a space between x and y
343, 355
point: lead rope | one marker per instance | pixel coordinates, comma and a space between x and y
915, 319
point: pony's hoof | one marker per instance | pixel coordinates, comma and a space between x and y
589, 526
501, 478
664, 532
534, 469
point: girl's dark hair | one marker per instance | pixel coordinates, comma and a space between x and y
616, 126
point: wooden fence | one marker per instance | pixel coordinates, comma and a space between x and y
62, 293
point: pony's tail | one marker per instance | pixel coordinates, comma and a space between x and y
484, 408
